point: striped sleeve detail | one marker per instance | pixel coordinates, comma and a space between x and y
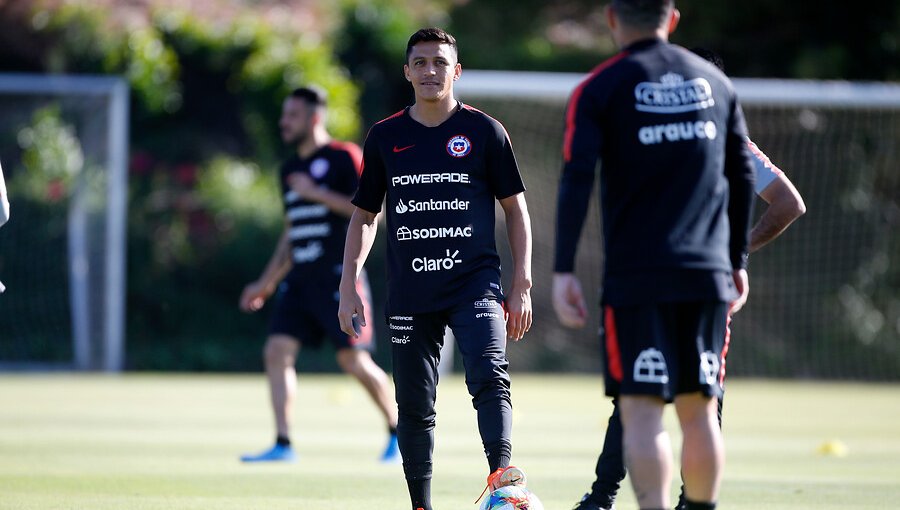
573, 103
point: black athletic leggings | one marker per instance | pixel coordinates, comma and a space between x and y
480, 331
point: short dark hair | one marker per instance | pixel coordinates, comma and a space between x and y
312, 95
711, 56
647, 14
429, 35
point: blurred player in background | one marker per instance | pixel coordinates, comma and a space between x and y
440, 166
317, 183
676, 194
784, 206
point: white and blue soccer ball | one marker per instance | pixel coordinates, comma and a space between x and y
512, 497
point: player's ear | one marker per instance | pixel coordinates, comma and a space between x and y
674, 18
457, 71
406, 72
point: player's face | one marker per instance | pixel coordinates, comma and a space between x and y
432, 68
296, 120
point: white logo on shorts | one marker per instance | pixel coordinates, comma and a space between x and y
401, 340
650, 367
709, 368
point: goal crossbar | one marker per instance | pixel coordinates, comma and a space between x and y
776, 92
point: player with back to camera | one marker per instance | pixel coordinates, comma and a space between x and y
317, 183
439, 166
676, 195
784, 206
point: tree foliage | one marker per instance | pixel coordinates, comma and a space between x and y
764, 38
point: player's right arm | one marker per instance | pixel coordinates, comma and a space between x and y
581, 148
4, 201
361, 233
785, 206
304, 186
360, 237
257, 292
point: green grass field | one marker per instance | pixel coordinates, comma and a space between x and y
160, 442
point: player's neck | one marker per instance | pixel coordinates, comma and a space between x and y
627, 37
315, 141
433, 113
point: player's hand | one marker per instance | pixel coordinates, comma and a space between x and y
742, 283
518, 311
350, 311
253, 297
568, 300
303, 185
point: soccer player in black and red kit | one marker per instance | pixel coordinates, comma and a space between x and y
317, 182
439, 167
676, 192
784, 206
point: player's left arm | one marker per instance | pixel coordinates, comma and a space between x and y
739, 170
518, 299
785, 206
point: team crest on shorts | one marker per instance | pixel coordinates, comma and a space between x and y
709, 368
459, 146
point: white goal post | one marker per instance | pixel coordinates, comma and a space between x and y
96, 283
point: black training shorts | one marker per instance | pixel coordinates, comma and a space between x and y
308, 312
665, 349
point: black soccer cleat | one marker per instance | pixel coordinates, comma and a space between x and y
587, 504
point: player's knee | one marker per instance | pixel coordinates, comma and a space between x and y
279, 351
415, 417
415, 408
485, 390
487, 371
696, 408
354, 362
641, 414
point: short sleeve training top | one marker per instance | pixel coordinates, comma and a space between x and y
316, 232
440, 185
